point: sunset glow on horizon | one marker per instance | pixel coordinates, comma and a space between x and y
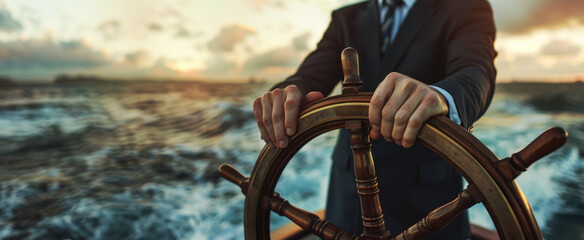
537, 40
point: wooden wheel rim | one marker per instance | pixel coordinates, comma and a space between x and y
504, 200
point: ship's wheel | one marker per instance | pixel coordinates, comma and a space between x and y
491, 180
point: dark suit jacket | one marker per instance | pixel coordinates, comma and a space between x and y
446, 43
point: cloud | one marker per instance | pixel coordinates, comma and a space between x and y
219, 66
300, 43
7, 22
174, 13
155, 27
110, 29
138, 58
259, 4
276, 62
197, 34
159, 69
282, 60
229, 36
182, 32
534, 67
39, 57
560, 48
523, 16
284, 57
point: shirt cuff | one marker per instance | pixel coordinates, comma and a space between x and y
452, 111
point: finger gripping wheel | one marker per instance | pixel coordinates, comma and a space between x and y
491, 180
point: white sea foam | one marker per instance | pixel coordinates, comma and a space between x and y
176, 192
27, 122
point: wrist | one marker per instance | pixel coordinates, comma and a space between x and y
443, 103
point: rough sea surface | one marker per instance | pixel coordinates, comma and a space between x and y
138, 160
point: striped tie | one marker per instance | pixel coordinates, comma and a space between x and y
385, 29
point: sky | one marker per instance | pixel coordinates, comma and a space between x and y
234, 40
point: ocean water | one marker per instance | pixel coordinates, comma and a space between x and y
138, 160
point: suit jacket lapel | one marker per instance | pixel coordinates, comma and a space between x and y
416, 18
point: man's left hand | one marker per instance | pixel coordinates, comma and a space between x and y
399, 107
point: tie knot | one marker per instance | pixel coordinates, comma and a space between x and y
393, 3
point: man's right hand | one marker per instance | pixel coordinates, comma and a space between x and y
276, 113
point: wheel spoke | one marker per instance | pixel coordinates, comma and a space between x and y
367, 187
546, 143
306, 220
442, 216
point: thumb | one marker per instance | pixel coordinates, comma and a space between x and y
312, 96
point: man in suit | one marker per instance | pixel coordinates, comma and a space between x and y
435, 57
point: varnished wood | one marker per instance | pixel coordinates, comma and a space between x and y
306, 220
292, 231
352, 81
502, 198
546, 143
442, 216
367, 186
231, 174
505, 203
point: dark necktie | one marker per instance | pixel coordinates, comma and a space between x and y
385, 28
